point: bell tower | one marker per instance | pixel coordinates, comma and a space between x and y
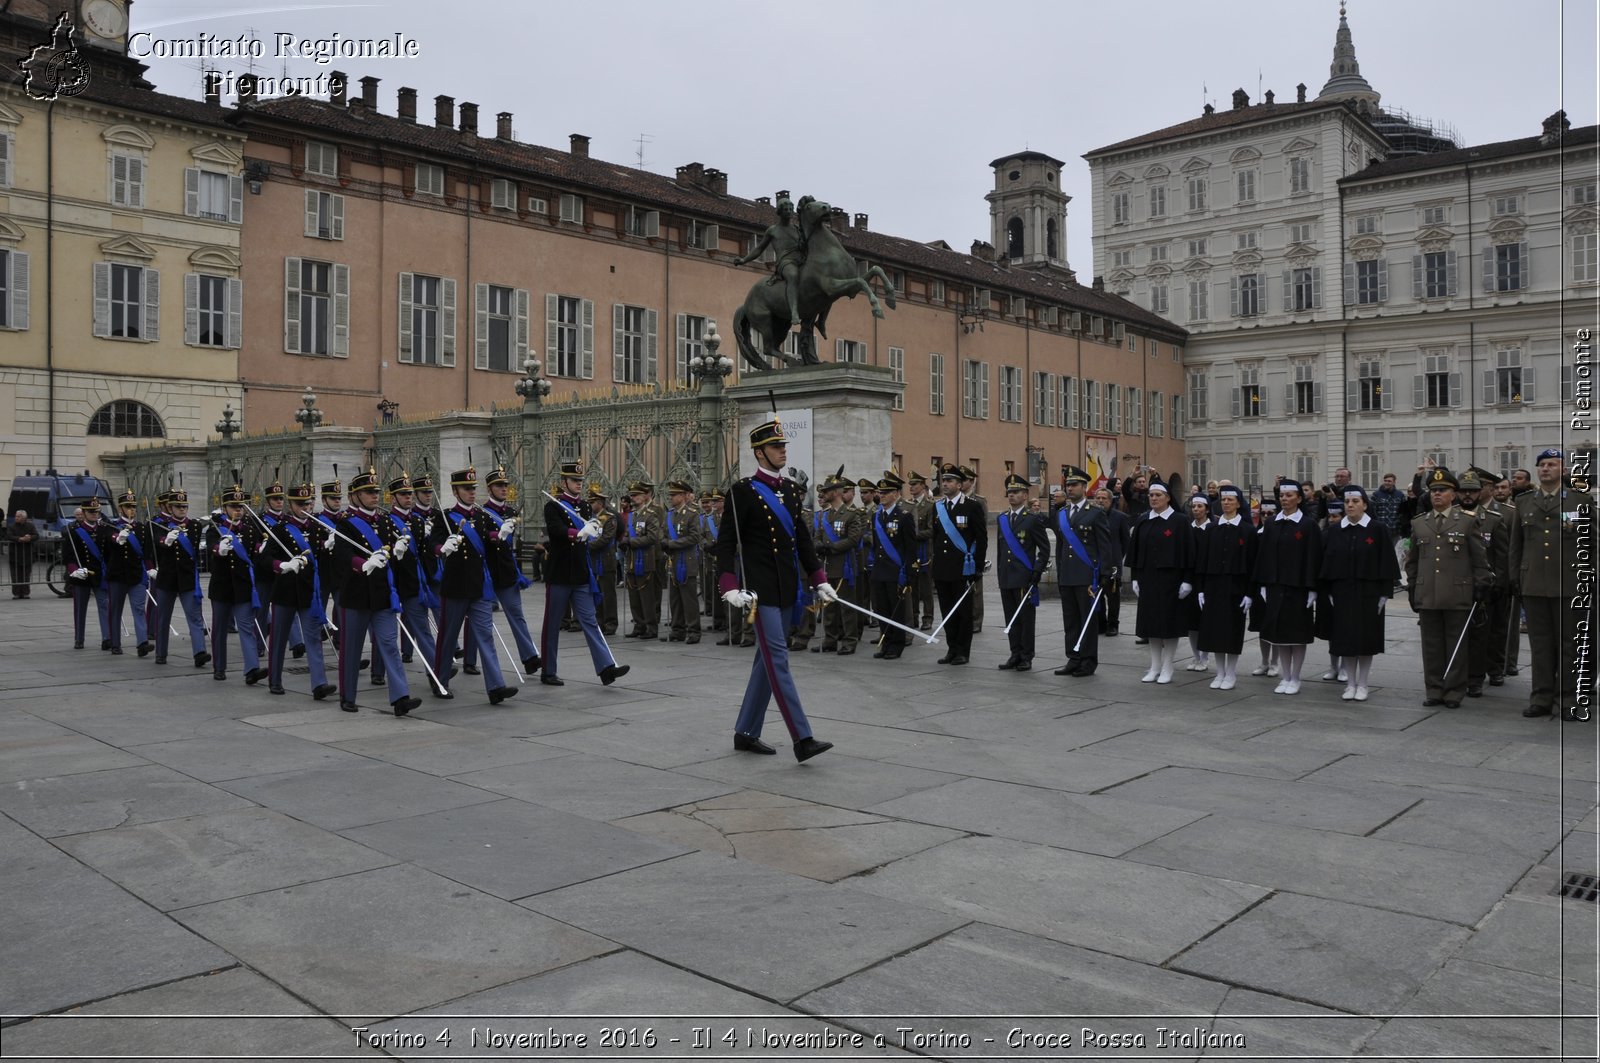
1028, 211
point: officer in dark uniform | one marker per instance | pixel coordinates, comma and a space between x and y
570, 580
273, 512
969, 491
177, 574
640, 534
125, 543
467, 584
1503, 644
428, 519
1088, 562
1121, 525
369, 600
509, 582
893, 539
921, 505
959, 547
1022, 553
838, 543
296, 552
1546, 536
88, 575
410, 568
233, 593
1448, 576
680, 541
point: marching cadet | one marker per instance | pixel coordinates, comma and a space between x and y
411, 580
921, 505
1483, 660
893, 538
960, 547
839, 546
603, 559
764, 558
1501, 661
427, 515
124, 543
1546, 539
88, 576
1022, 552
1161, 556
640, 535
468, 585
233, 593
681, 542
1359, 572
707, 561
1088, 560
272, 513
1448, 575
509, 582
570, 579
369, 601
1223, 565
177, 574
297, 555
1288, 567
969, 487
332, 492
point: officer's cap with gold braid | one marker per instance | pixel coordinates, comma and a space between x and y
679, 487
332, 489
572, 470
422, 483
1014, 482
641, 487
596, 491
274, 490
233, 496
767, 432
968, 473
467, 477
401, 483
497, 476
301, 492
890, 483
128, 498
949, 471
177, 497
1441, 478
865, 484
366, 481
91, 506
916, 478
1073, 475
1469, 482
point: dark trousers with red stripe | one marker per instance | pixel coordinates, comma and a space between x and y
770, 679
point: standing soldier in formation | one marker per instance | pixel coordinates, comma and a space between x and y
1022, 553
177, 574
467, 584
1448, 576
863, 586
1223, 565
892, 539
1161, 556
1288, 567
1545, 555
960, 555
571, 581
1121, 535
1359, 572
332, 492
921, 505
297, 555
1088, 561
969, 487
640, 536
1502, 606
765, 557
233, 594
603, 560
707, 560
509, 582
680, 541
88, 574
369, 600
124, 545
840, 548
1486, 656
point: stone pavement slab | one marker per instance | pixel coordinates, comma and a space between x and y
1193, 751
100, 800
449, 751
1547, 936
1297, 804
1030, 765
242, 751
335, 798
834, 778
594, 787
1522, 1017
1347, 737
1500, 823
1329, 953
769, 933
413, 940
1450, 779
60, 754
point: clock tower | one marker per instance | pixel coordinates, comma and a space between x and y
102, 24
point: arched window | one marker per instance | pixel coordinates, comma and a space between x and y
128, 419
1050, 238
1014, 238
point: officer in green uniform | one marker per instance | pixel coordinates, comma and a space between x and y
920, 502
1485, 657
680, 542
839, 547
1447, 573
640, 534
1545, 541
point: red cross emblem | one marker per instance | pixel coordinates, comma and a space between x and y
1167, 533
1299, 535
1370, 540
1241, 542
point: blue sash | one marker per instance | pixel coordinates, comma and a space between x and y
523, 582
591, 557
887, 545
638, 551
1064, 523
138, 551
94, 551
370, 537
969, 566
833, 537
188, 548
680, 564
802, 596
465, 528
1017, 552
241, 551
304, 544
424, 590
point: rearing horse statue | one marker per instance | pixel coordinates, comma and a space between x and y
828, 274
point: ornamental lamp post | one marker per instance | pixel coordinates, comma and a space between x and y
711, 369
310, 417
532, 387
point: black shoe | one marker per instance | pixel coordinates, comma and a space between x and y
105, 644
1452, 704
551, 681
1475, 690
404, 705
532, 664
405, 658
471, 669
365, 663
958, 659
878, 656
674, 638
379, 681
1497, 680
1536, 710
201, 659
321, 693
146, 648
221, 677
254, 676
298, 649
276, 690
77, 645
947, 658
1111, 632
439, 692
752, 744
1070, 668
612, 673
499, 694
845, 651
828, 649
1141, 642
116, 651
807, 748
1512, 670
349, 706
159, 660
747, 643
1428, 703
692, 640
1083, 673
1010, 663
1024, 666
891, 655
723, 642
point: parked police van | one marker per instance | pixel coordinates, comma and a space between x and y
50, 499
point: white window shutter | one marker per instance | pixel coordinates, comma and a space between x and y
1383, 280
713, 235
1488, 268
1238, 401
1288, 292
1316, 287
6, 142
1386, 385
1316, 396
480, 326
336, 217
619, 343
235, 335
407, 285
447, 321
135, 182
236, 200
19, 290
1488, 387
152, 304
1233, 296
683, 345
1419, 391
311, 211
652, 223
552, 307
1455, 389
839, 351
291, 306
1352, 396
1527, 384
341, 311
519, 331
1349, 284
116, 178
588, 339
1288, 397
1450, 273
191, 191
191, 309
650, 321
1418, 291
1525, 266
983, 391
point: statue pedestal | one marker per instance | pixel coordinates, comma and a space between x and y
838, 415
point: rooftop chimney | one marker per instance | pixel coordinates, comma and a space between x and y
245, 88
369, 93
765, 201
1099, 284
716, 181
690, 174
1241, 99
580, 145
408, 105
983, 250
1555, 127
1208, 109
1269, 97
1300, 93
861, 221
469, 118
444, 111
338, 82
502, 125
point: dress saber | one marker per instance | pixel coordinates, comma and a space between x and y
1460, 640
602, 634
929, 639
1094, 607
946, 618
1026, 599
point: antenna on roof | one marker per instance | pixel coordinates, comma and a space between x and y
644, 138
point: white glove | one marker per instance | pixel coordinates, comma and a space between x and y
79, 573
172, 537
450, 545
1201, 598
1311, 599
739, 599
825, 593
1135, 586
294, 564
988, 563
262, 548
1184, 590
401, 545
590, 530
375, 562
1383, 603
225, 545
122, 537
1244, 603
1263, 594
508, 528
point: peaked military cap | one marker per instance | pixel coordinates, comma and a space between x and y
889, 482
233, 496
1074, 475
679, 487
1441, 478
366, 481
1015, 482
274, 490
177, 497
422, 483
572, 470
641, 487
916, 478
401, 483
864, 484
767, 432
950, 471
968, 472
497, 475
92, 505
333, 489
128, 498
301, 492
1469, 482
467, 477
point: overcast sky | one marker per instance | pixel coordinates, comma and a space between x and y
895, 108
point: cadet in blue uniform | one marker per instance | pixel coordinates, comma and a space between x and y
88, 574
369, 601
233, 593
297, 554
1088, 561
125, 544
467, 586
571, 580
177, 574
509, 582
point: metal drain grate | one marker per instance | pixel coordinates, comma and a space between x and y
1579, 886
